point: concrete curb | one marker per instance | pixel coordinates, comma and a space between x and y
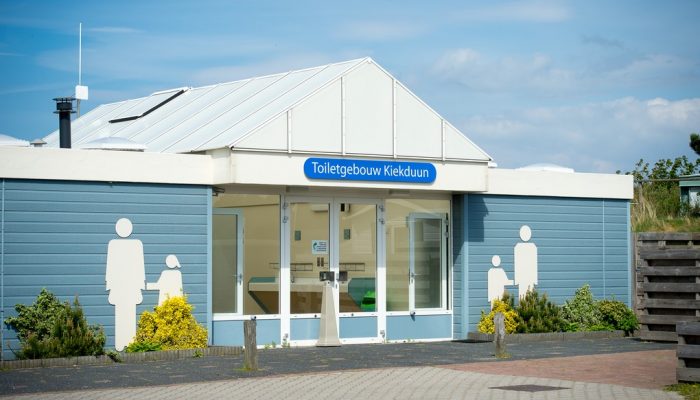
544, 337
166, 355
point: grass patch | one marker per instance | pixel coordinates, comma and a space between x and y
690, 391
683, 224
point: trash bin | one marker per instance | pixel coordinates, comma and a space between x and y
368, 301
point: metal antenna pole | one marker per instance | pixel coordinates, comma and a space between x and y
80, 62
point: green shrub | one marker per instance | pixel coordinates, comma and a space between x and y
36, 319
139, 347
582, 309
70, 336
570, 326
171, 325
505, 306
536, 314
617, 315
601, 327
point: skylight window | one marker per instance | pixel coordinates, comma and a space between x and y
150, 104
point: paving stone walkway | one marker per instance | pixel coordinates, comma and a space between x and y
653, 369
391, 383
417, 370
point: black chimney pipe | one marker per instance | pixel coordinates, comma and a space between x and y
64, 108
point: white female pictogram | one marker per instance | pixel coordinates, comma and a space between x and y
126, 278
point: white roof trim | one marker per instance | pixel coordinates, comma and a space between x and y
304, 98
9, 141
228, 114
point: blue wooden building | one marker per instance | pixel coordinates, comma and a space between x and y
259, 185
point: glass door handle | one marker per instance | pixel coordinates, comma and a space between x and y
239, 277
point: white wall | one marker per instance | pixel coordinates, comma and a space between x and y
279, 169
559, 184
104, 165
288, 170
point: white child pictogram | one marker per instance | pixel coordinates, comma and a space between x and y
170, 282
497, 280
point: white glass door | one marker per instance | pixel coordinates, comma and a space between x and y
427, 261
343, 237
309, 254
227, 262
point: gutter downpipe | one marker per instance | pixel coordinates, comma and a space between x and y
2, 272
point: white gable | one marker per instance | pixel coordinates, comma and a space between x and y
364, 112
351, 108
369, 111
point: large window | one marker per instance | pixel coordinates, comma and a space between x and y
358, 256
309, 254
245, 254
416, 254
337, 236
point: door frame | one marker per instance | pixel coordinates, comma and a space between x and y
444, 226
334, 203
240, 247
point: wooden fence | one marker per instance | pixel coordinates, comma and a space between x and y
667, 282
688, 352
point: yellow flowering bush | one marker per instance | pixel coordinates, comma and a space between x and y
511, 317
172, 326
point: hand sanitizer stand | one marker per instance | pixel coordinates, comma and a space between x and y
328, 332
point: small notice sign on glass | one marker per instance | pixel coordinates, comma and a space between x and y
319, 247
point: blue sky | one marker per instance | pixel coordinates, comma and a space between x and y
593, 85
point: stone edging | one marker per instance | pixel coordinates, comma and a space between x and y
165, 355
544, 337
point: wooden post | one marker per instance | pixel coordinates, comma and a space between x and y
250, 360
499, 337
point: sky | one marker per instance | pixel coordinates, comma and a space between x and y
591, 85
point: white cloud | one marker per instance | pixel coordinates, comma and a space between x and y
602, 41
520, 11
539, 74
380, 30
483, 73
155, 58
273, 65
654, 67
32, 88
113, 29
595, 137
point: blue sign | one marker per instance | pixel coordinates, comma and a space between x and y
369, 170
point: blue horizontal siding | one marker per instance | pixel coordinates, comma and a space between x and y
230, 333
579, 241
304, 328
460, 284
50, 217
358, 327
406, 327
56, 235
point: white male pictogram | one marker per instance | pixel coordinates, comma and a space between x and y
525, 262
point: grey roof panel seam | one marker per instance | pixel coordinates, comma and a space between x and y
301, 100
231, 108
173, 111
263, 106
193, 115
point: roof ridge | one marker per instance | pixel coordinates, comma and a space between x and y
252, 132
